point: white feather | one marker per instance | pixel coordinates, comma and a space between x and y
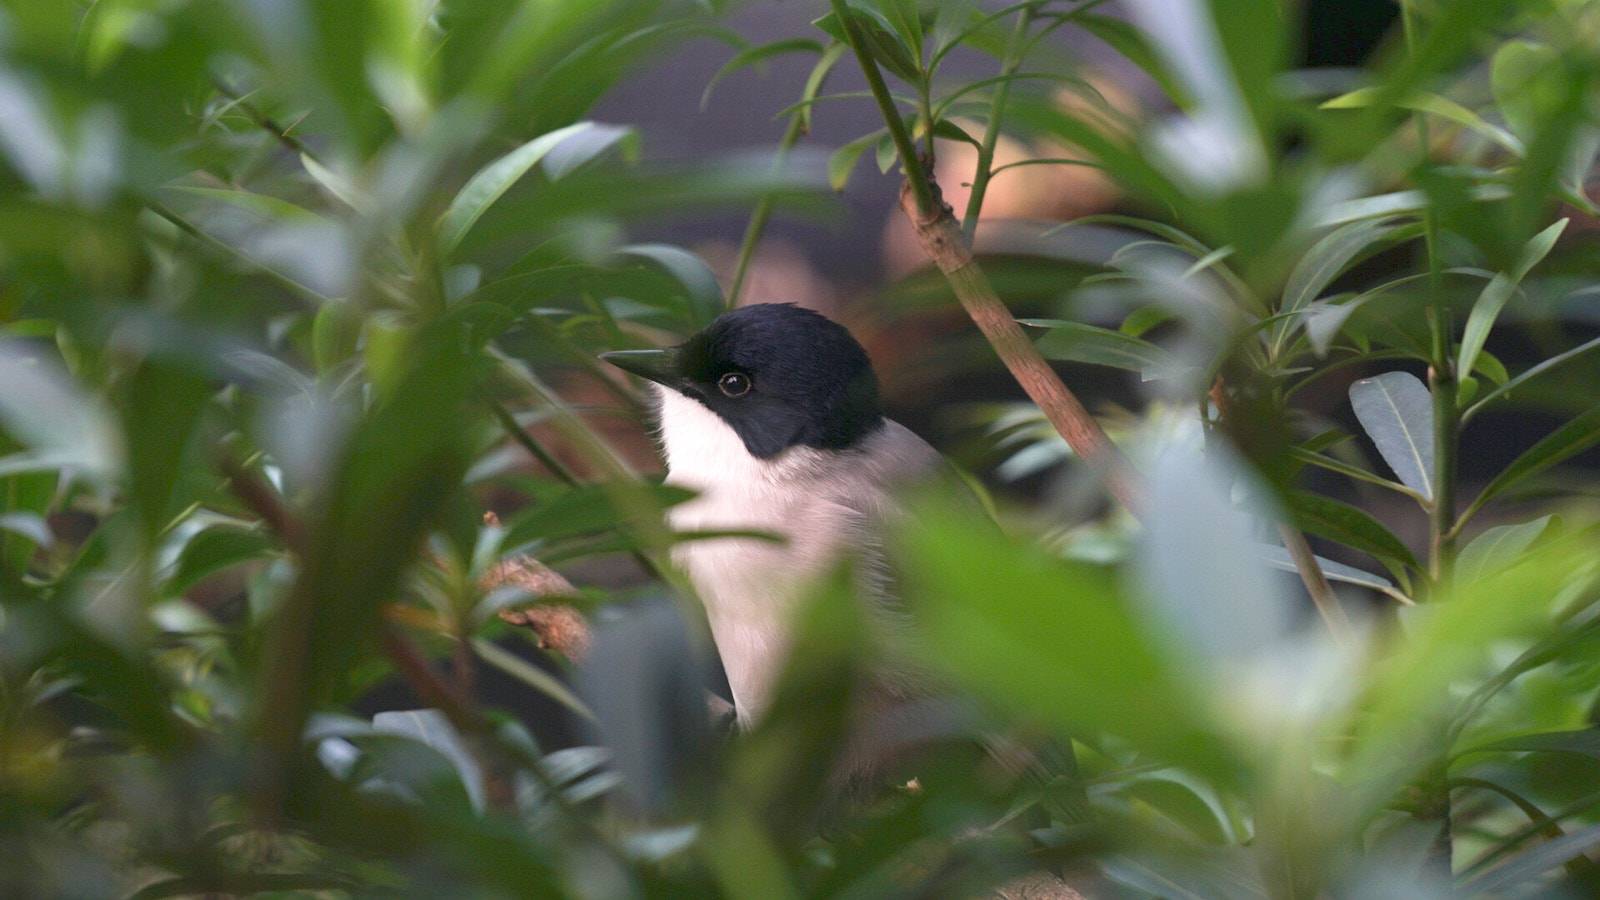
821, 503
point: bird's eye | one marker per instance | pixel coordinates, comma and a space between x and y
734, 384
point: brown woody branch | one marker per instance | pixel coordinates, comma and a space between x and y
942, 239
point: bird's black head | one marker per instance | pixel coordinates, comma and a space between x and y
781, 376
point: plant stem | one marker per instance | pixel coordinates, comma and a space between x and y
1435, 787
991, 131
762, 212
942, 239
1442, 376
910, 164
516, 432
1305, 564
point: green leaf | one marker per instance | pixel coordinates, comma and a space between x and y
1491, 368
844, 159
214, 550
582, 510
876, 40
690, 271
1409, 691
1053, 640
819, 74
1499, 547
1324, 262
1507, 387
1348, 525
1522, 868
492, 181
583, 147
430, 728
1396, 411
1585, 742
1134, 46
1349, 471
885, 153
1180, 803
907, 23
950, 19
1498, 291
334, 183
62, 427
1434, 105
950, 131
1278, 558
161, 402
1077, 342
334, 334
1567, 441
1526, 79
758, 56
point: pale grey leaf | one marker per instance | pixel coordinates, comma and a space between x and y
1396, 411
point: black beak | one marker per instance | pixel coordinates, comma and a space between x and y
660, 366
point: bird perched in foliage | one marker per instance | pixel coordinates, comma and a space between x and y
772, 416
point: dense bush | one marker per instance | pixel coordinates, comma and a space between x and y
293, 293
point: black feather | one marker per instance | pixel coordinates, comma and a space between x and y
812, 384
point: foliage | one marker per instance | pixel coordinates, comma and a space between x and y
284, 284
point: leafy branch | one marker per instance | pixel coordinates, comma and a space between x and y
942, 238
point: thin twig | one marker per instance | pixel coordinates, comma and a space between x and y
1316, 582
904, 145
991, 131
262, 120
499, 789
762, 213
535, 449
265, 503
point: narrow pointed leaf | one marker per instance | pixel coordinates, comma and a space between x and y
1278, 558
1077, 342
1324, 262
1584, 742
582, 147
845, 158
492, 182
907, 22
1434, 105
1499, 547
1054, 640
1396, 411
1349, 525
689, 270
1522, 868
757, 56
885, 153
1498, 291
1569, 440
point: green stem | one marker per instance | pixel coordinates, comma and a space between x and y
991, 131
921, 189
1442, 375
189, 228
1435, 789
762, 213
535, 449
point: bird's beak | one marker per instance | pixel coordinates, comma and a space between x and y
660, 366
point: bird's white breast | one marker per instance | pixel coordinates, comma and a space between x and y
820, 503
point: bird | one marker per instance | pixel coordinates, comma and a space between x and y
772, 415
